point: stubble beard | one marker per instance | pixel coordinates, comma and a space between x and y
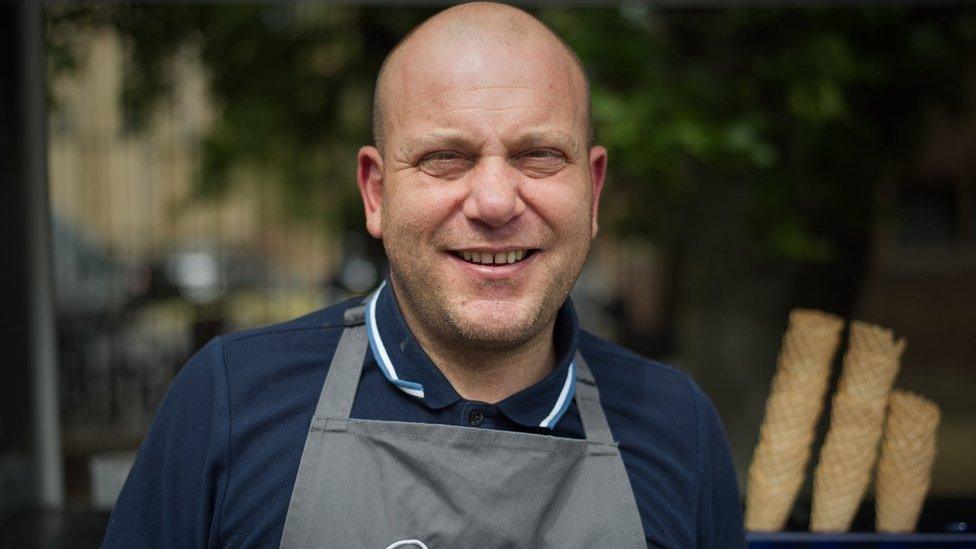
425, 298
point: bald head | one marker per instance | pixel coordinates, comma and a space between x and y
488, 28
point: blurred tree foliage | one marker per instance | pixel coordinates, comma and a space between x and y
808, 108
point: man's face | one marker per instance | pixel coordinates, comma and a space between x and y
488, 194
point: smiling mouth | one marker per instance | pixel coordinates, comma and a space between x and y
499, 258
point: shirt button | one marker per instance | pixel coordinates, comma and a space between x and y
476, 417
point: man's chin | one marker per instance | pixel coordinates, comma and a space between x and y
496, 327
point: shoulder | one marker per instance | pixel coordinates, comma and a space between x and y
671, 443
650, 406
276, 371
227, 437
651, 394
254, 367
329, 318
249, 355
621, 372
229, 361
295, 341
274, 376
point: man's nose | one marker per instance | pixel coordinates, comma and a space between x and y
494, 197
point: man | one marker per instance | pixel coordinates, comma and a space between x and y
460, 405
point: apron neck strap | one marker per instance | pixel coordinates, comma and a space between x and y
588, 403
347, 367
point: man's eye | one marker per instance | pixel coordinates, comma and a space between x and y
540, 162
444, 164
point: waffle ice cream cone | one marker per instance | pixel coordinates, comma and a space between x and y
792, 411
857, 415
905, 466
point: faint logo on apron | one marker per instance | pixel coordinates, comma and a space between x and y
407, 544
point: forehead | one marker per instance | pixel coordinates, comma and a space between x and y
485, 85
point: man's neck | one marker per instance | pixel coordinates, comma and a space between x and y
490, 375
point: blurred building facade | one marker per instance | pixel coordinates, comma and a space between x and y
146, 270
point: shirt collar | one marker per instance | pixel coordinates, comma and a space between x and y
407, 366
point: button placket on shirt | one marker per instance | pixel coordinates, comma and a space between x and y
478, 415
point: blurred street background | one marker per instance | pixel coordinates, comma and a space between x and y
175, 172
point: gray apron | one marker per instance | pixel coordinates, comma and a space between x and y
388, 484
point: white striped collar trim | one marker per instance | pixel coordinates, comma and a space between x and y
415, 389
565, 397
412, 388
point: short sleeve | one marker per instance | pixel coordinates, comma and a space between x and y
171, 497
719, 505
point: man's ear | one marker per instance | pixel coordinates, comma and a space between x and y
369, 177
598, 172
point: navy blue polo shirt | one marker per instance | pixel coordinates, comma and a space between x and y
217, 467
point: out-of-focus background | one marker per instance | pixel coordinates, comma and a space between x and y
176, 172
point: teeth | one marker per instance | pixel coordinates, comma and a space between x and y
486, 258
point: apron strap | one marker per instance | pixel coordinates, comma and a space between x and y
588, 403
354, 316
347, 366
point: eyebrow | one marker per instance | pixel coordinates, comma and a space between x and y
454, 139
438, 138
558, 139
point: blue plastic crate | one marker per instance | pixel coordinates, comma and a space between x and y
799, 540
